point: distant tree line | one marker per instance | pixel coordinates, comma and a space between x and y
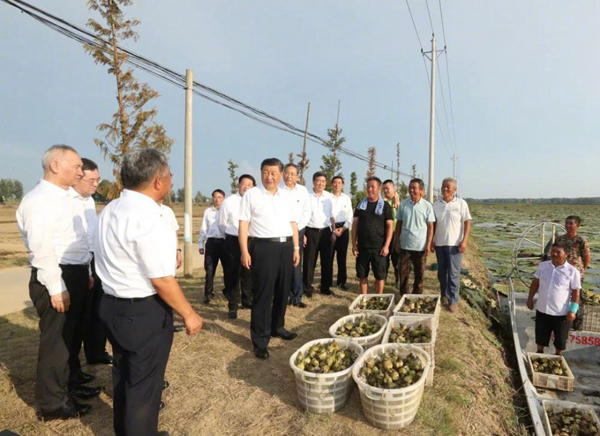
10, 190
578, 200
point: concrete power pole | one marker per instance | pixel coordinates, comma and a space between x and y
432, 124
303, 160
188, 249
454, 158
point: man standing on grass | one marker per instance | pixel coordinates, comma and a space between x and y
212, 244
135, 258
270, 249
558, 284
372, 231
393, 199
451, 229
341, 211
228, 222
302, 212
414, 235
59, 255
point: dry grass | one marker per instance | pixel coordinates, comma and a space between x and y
218, 387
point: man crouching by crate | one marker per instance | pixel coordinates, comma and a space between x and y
559, 285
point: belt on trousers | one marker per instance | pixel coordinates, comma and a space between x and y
132, 300
216, 239
338, 225
318, 230
69, 266
228, 236
281, 239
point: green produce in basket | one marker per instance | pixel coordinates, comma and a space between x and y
549, 366
392, 371
571, 422
419, 305
359, 328
590, 298
374, 303
404, 334
326, 358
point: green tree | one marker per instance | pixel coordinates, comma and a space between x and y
372, 152
303, 165
180, 196
132, 124
101, 195
413, 171
332, 164
11, 189
353, 184
231, 167
200, 198
402, 190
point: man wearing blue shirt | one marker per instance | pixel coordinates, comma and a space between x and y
414, 235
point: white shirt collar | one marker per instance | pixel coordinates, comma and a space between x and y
264, 190
55, 188
142, 198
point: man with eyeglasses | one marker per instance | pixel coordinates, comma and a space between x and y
91, 332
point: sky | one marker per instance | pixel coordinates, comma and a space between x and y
523, 80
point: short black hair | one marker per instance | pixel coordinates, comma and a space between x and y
337, 177
385, 182
319, 174
419, 181
574, 218
247, 176
290, 165
559, 244
272, 162
374, 179
88, 165
218, 191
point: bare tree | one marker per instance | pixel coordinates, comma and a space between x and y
231, 167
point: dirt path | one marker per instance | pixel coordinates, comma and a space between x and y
14, 291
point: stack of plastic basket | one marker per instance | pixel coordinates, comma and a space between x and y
364, 341
324, 393
407, 297
391, 409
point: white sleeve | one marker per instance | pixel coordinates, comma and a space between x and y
222, 219
306, 212
245, 212
576, 280
154, 247
466, 215
203, 231
349, 212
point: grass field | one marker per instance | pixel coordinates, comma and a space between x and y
218, 387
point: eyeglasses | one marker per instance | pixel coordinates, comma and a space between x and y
93, 181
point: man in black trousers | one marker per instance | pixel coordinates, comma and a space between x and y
134, 249
59, 256
318, 237
211, 244
270, 248
342, 213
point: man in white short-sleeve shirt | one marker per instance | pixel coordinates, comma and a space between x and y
135, 258
558, 285
452, 227
342, 213
270, 247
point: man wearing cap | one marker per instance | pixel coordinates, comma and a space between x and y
270, 247
212, 244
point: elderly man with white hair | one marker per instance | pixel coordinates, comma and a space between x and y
452, 228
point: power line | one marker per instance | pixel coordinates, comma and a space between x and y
448, 75
415, 27
429, 14
87, 38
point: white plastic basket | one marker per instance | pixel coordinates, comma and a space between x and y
391, 409
324, 393
364, 341
413, 321
560, 405
436, 312
353, 309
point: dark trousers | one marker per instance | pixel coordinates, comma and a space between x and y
141, 333
272, 270
238, 280
52, 374
340, 252
418, 260
318, 242
449, 260
392, 259
296, 286
94, 338
214, 251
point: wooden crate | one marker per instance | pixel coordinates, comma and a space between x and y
551, 381
560, 405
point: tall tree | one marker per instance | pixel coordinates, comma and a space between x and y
353, 184
303, 165
201, 198
372, 152
291, 158
231, 167
180, 197
331, 161
11, 189
413, 171
397, 164
132, 124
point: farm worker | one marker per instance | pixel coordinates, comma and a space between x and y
134, 250
372, 232
270, 250
341, 210
318, 237
414, 235
302, 212
558, 284
59, 255
212, 244
451, 233
576, 246
93, 334
393, 199
234, 275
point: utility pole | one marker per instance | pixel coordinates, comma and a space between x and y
454, 158
188, 249
398, 164
431, 123
337, 121
303, 159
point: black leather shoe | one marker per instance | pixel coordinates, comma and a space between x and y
85, 392
84, 377
232, 314
104, 360
246, 306
309, 292
343, 287
208, 299
299, 304
178, 328
261, 353
166, 385
161, 406
67, 411
163, 433
328, 292
285, 335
